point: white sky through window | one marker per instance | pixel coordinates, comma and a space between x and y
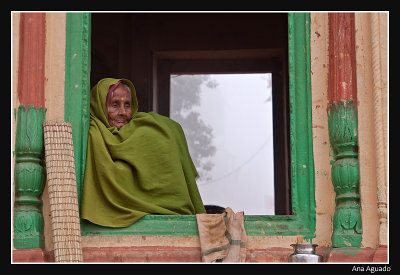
227, 120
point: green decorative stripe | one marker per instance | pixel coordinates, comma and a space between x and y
77, 87
177, 225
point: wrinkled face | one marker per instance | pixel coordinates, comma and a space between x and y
119, 109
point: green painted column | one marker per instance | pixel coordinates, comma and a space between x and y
29, 178
343, 131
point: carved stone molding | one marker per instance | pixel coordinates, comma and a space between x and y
378, 29
29, 178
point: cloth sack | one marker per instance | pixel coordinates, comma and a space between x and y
222, 236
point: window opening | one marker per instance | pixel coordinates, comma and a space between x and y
141, 52
227, 120
82, 68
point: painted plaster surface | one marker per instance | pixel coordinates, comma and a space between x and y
135, 240
367, 138
54, 91
366, 131
324, 193
31, 59
55, 65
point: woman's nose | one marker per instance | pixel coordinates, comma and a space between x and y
121, 110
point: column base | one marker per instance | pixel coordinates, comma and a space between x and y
350, 254
381, 254
349, 240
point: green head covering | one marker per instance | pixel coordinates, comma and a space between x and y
144, 168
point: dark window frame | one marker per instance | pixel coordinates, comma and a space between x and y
238, 62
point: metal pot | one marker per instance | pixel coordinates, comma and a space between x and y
304, 253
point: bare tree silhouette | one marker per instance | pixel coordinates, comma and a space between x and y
199, 135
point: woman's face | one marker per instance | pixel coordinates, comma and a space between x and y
119, 109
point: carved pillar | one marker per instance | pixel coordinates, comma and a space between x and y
29, 171
343, 129
29, 178
379, 29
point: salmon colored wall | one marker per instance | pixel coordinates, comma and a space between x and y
32, 41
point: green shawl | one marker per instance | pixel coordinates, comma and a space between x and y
144, 168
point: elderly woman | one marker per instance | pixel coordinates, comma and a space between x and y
137, 163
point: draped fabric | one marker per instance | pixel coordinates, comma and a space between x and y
143, 168
222, 236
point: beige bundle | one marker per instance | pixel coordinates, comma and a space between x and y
222, 236
62, 188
